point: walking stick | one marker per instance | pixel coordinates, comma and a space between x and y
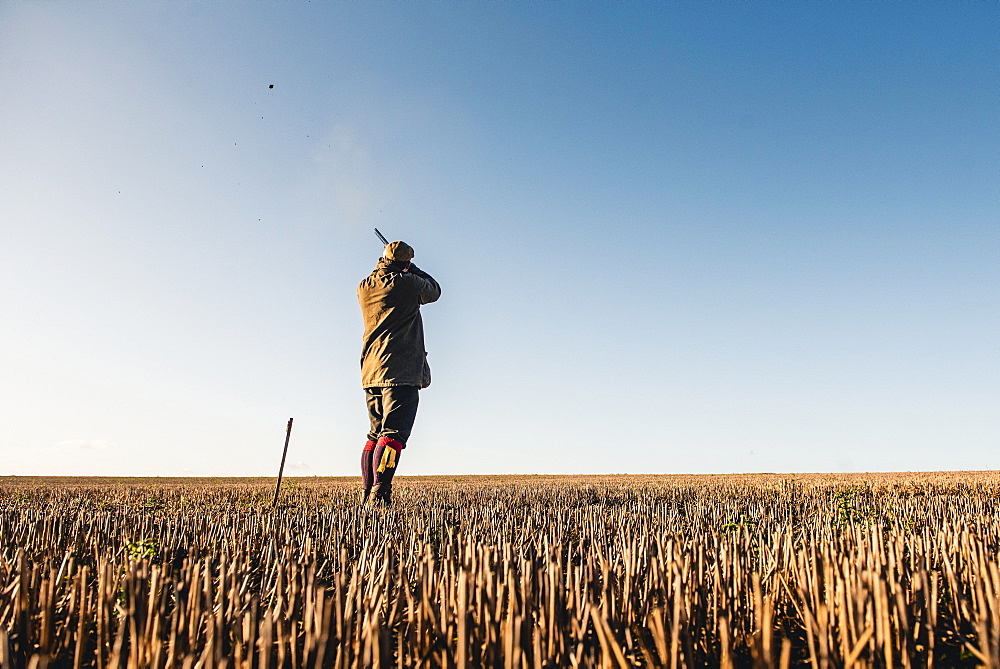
281, 469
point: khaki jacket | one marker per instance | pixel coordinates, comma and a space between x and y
393, 351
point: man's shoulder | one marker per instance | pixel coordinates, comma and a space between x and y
383, 280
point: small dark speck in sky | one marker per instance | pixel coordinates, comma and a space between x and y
270, 86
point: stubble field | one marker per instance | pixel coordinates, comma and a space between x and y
613, 571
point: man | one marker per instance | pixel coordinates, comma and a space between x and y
393, 363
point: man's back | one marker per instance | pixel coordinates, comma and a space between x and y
393, 351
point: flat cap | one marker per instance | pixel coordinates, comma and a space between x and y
400, 251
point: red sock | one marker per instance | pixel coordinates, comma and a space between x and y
367, 470
385, 463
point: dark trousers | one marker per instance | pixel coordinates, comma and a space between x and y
391, 412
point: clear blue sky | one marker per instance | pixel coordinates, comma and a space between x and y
671, 236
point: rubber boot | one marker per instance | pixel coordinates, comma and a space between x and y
381, 496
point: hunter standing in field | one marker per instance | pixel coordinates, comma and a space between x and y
393, 362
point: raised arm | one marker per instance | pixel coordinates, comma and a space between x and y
428, 289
